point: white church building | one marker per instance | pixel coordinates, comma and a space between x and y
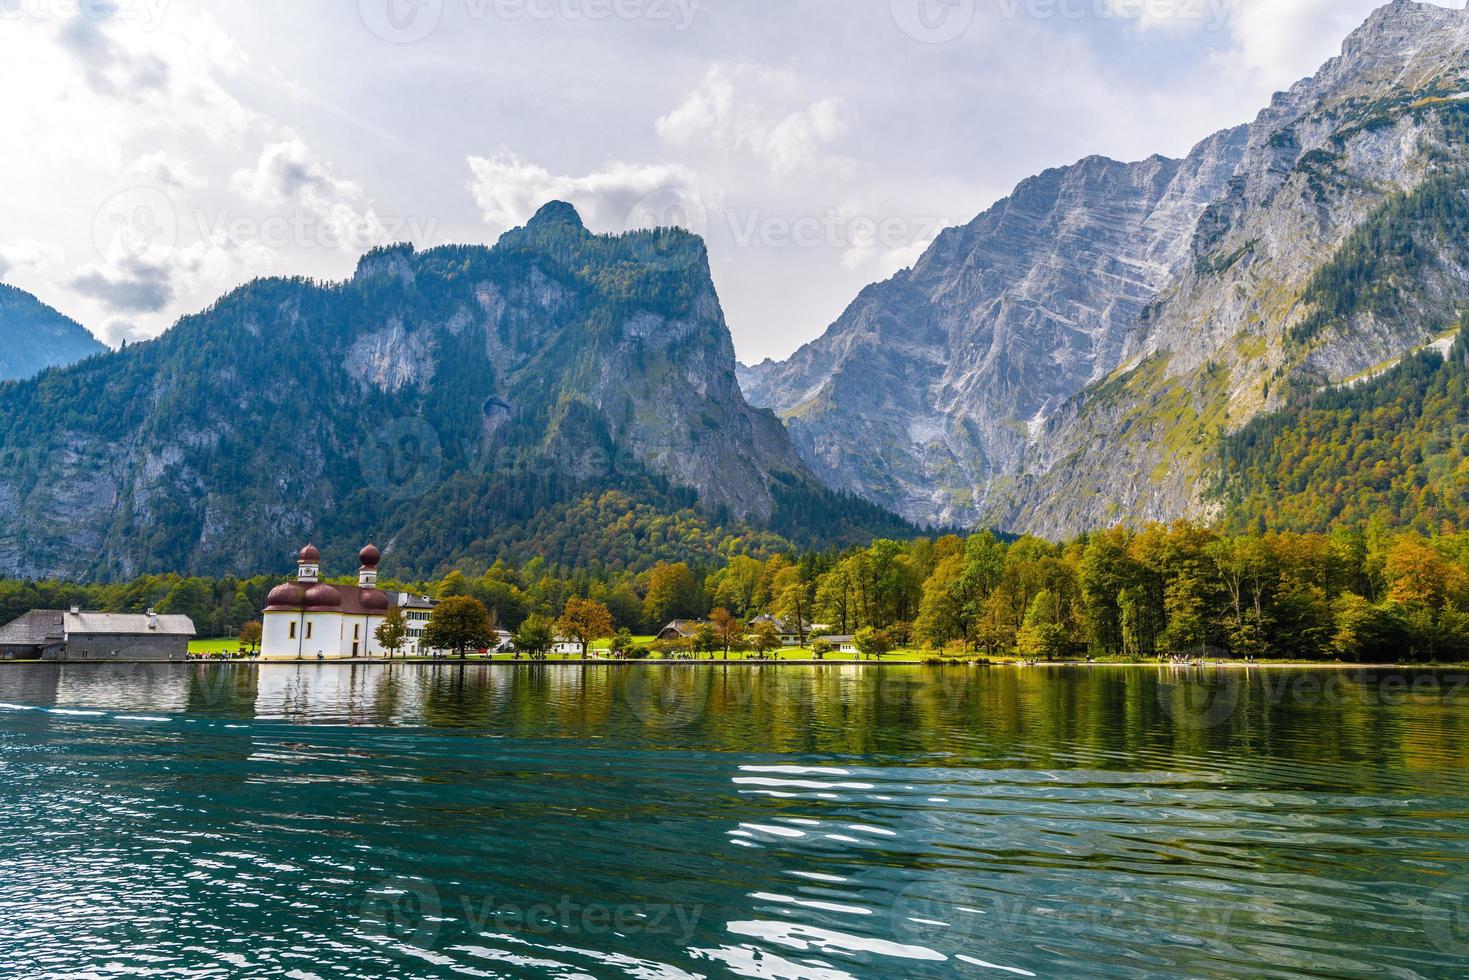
308, 619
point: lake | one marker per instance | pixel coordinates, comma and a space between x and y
795, 822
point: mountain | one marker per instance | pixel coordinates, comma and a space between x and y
34, 337
561, 393
1072, 358
927, 388
1389, 447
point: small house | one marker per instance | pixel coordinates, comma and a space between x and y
680, 629
786, 628
76, 635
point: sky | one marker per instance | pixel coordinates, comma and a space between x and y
162, 152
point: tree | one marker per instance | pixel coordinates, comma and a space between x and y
461, 624
1042, 635
1187, 613
622, 644
792, 607
536, 637
671, 594
821, 648
584, 620
728, 628
250, 635
764, 638
706, 639
392, 631
873, 643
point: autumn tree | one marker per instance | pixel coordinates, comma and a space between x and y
459, 623
672, 594
584, 620
250, 635
728, 628
764, 638
392, 631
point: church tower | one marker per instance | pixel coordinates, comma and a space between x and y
308, 566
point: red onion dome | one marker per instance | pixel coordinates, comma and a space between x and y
309, 555
374, 601
287, 595
369, 557
323, 597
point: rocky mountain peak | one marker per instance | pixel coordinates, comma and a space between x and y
952, 391
556, 213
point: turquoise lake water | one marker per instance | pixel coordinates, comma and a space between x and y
798, 822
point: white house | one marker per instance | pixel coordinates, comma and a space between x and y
307, 619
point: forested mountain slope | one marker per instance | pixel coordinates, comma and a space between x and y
461, 404
34, 337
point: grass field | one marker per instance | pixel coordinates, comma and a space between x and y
225, 645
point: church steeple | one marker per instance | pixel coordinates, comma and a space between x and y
308, 565
367, 576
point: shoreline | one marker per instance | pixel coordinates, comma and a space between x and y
601, 662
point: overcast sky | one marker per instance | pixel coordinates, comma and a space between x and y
161, 152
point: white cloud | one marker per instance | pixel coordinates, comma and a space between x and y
28, 255
736, 110
619, 197
160, 169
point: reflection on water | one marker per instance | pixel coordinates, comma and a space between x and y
547, 821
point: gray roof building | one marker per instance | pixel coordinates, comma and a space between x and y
46, 634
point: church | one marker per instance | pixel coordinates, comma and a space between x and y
308, 619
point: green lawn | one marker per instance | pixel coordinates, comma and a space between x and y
226, 645
607, 643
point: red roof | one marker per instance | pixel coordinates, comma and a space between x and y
354, 601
